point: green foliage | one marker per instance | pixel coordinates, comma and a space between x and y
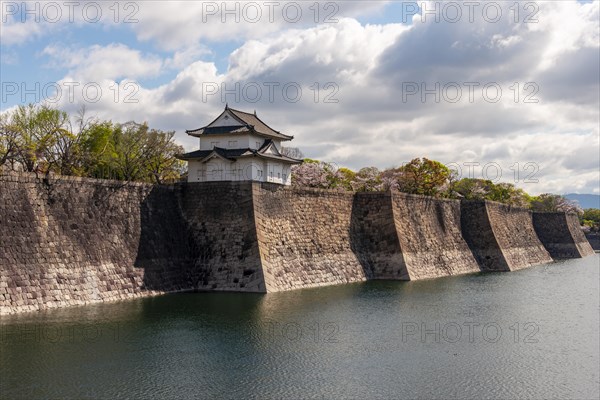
8, 140
507, 193
592, 214
482, 189
38, 138
32, 132
591, 218
311, 161
549, 202
420, 176
345, 178
42, 139
472, 189
431, 178
424, 176
98, 150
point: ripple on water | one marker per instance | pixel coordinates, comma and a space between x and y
349, 341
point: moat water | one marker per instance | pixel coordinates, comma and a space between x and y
532, 333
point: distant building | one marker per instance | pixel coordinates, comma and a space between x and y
238, 146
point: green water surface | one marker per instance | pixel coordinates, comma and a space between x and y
532, 333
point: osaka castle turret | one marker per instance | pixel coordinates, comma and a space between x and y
238, 146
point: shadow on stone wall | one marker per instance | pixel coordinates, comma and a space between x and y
166, 249
594, 239
480, 237
361, 238
553, 232
374, 239
501, 237
220, 216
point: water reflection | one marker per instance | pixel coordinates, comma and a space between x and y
530, 333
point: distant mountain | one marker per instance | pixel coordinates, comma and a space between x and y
585, 200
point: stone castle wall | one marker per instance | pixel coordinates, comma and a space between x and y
478, 232
304, 238
513, 229
561, 235
501, 237
594, 240
219, 217
581, 242
69, 241
375, 238
430, 236
72, 241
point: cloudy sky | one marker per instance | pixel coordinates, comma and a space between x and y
493, 88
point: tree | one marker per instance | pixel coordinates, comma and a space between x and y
346, 179
142, 154
160, 156
316, 174
367, 179
591, 218
97, 150
423, 176
128, 150
507, 193
65, 156
292, 152
8, 140
131, 151
37, 129
389, 179
548, 202
483, 189
40, 138
472, 189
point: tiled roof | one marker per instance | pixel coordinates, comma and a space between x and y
280, 158
215, 130
251, 123
258, 125
266, 145
233, 154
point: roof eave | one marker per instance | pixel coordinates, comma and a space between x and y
192, 133
284, 159
215, 153
261, 134
267, 135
